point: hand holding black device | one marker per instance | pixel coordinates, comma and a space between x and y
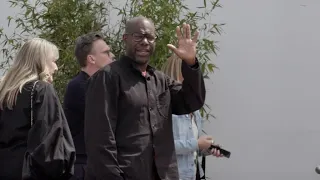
225, 153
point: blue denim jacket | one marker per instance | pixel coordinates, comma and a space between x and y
186, 144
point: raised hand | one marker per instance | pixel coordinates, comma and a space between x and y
187, 47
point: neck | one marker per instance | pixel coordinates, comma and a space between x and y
89, 71
140, 66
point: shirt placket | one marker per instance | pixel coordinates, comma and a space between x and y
151, 107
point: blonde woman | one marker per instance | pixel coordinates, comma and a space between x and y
35, 140
189, 141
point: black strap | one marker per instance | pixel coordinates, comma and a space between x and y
31, 109
203, 162
198, 172
203, 166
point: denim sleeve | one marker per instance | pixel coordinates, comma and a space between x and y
205, 152
183, 145
186, 146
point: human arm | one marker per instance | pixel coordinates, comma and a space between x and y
100, 124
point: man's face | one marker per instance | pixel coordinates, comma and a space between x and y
140, 41
100, 54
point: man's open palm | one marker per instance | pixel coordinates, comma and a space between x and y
187, 47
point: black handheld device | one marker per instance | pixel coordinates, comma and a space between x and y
225, 153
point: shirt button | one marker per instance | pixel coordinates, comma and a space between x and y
150, 109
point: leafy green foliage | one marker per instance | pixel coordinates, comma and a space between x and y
62, 21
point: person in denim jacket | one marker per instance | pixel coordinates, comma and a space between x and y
189, 139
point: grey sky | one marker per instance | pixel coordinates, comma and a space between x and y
266, 95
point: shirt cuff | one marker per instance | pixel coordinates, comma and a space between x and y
196, 64
194, 144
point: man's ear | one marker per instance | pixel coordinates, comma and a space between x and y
91, 59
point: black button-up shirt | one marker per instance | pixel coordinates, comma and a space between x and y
128, 125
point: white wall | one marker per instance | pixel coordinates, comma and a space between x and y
266, 95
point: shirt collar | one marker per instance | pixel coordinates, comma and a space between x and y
84, 74
130, 63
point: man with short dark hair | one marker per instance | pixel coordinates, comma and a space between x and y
92, 53
128, 125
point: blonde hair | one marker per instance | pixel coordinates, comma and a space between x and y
31, 63
172, 67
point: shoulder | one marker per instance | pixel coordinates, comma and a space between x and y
198, 116
37, 87
42, 85
109, 71
197, 113
75, 81
73, 89
43, 88
179, 117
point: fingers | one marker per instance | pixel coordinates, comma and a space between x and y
172, 48
187, 31
178, 32
216, 152
220, 155
195, 36
184, 28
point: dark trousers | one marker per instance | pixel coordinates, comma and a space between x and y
79, 172
91, 177
157, 177
155, 172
